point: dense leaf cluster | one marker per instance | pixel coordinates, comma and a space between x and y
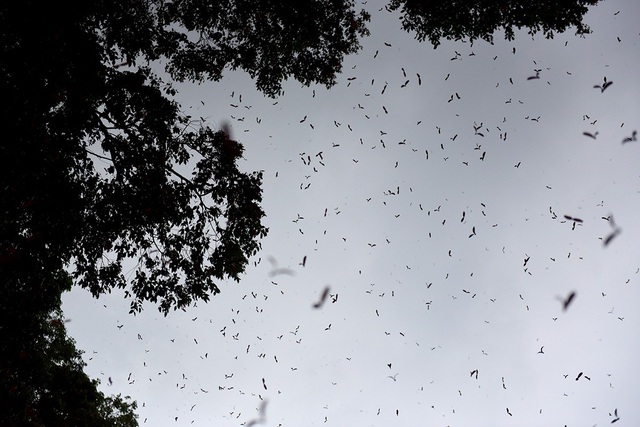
42, 382
434, 20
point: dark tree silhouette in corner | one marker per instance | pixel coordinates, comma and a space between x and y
42, 382
94, 149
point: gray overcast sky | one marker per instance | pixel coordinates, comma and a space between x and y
438, 266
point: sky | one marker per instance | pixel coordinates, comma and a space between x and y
450, 215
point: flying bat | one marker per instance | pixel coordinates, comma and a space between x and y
567, 301
537, 76
616, 416
570, 218
604, 86
323, 297
610, 237
631, 138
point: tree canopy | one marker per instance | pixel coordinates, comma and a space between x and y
94, 166
42, 382
434, 20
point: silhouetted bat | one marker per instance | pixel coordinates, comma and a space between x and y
570, 218
633, 137
567, 301
610, 237
604, 86
323, 297
616, 416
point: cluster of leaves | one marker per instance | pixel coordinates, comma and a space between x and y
270, 39
42, 382
435, 20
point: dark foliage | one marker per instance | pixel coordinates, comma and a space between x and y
99, 166
434, 20
42, 382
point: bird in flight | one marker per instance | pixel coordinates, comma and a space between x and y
393, 377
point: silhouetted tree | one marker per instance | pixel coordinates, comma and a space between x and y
42, 382
434, 20
94, 151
